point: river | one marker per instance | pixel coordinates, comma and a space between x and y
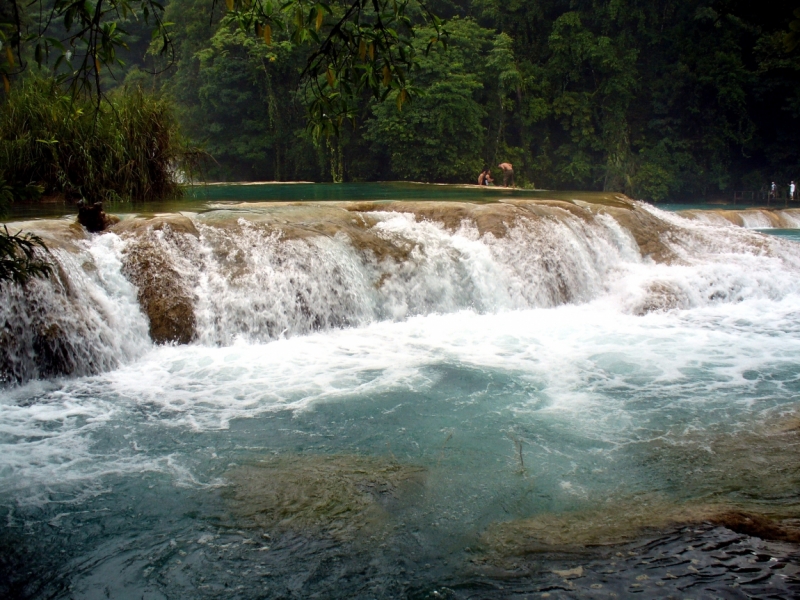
408, 392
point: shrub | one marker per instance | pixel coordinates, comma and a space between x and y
127, 148
21, 254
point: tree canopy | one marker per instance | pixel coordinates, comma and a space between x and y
684, 98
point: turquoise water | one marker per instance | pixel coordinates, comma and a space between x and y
121, 483
789, 234
198, 197
298, 192
443, 424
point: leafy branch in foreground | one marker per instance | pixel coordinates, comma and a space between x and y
20, 252
18, 257
75, 38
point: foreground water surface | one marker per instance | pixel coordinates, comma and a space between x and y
549, 411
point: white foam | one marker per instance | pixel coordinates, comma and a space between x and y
604, 375
249, 283
755, 219
84, 319
613, 343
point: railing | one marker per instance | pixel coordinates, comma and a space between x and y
766, 196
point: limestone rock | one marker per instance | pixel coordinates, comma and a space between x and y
176, 223
163, 291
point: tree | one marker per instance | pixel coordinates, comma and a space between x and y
240, 98
441, 136
655, 99
688, 98
358, 45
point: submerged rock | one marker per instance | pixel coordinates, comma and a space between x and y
612, 523
760, 526
617, 523
748, 482
660, 296
338, 495
756, 469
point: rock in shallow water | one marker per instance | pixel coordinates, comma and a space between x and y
94, 218
337, 495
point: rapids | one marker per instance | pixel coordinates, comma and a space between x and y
404, 399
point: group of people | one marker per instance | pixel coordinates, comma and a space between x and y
773, 190
485, 178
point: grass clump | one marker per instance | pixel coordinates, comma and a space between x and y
126, 148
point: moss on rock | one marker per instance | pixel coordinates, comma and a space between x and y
338, 495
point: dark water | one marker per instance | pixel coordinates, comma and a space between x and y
147, 555
698, 562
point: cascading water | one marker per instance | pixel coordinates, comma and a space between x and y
403, 400
83, 320
751, 218
262, 275
260, 286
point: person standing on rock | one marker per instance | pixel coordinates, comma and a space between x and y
508, 173
792, 191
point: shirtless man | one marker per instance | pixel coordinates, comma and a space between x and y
508, 173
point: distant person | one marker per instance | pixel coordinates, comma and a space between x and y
508, 173
791, 190
773, 190
485, 178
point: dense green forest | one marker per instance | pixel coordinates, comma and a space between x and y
659, 99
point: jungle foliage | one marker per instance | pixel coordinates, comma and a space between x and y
126, 149
685, 98
54, 143
659, 99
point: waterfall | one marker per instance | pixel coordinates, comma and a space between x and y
82, 320
261, 272
751, 218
